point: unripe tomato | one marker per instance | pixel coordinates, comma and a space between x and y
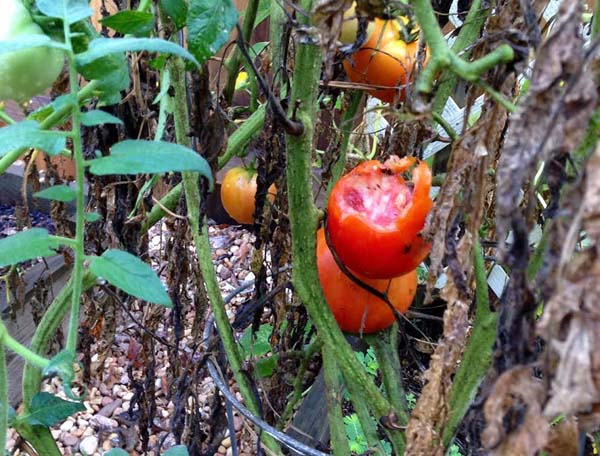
27, 72
354, 308
384, 60
238, 194
350, 26
374, 217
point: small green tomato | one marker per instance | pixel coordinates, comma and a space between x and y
28, 72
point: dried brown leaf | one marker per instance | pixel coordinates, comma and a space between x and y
513, 413
431, 413
554, 116
571, 320
563, 439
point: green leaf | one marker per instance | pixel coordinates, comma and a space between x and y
61, 365
47, 410
265, 367
28, 134
26, 245
91, 217
137, 156
116, 452
98, 117
62, 193
130, 274
130, 22
176, 10
209, 24
27, 42
75, 10
256, 344
177, 450
102, 47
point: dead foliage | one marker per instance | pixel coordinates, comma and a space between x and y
431, 413
571, 320
513, 412
550, 122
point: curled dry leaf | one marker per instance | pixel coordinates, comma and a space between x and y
553, 117
431, 414
571, 320
563, 439
513, 413
465, 187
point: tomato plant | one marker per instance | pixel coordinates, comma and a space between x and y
30, 71
375, 217
355, 309
384, 60
238, 194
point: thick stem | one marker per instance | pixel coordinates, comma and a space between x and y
477, 357
469, 32
201, 242
75, 134
3, 398
386, 351
303, 223
16, 347
442, 57
333, 394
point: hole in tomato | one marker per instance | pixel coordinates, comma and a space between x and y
381, 199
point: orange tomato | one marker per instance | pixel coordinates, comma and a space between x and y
354, 308
384, 60
238, 194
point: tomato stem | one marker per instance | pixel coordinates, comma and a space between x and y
303, 224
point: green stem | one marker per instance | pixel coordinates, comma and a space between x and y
201, 242
346, 126
15, 346
442, 57
3, 398
537, 259
277, 21
51, 121
243, 135
385, 346
596, 19
477, 357
469, 32
445, 125
298, 382
32, 375
303, 223
367, 423
333, 396
233, 65
71, 344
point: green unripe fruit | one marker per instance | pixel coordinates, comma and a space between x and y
28, 72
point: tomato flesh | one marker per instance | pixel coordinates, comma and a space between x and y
354, 308
375, 218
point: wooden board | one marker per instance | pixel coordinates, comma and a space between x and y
55, 273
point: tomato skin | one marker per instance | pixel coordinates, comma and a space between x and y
354, 308
349, 30
384, 60
28, 72
238, 194
374, 218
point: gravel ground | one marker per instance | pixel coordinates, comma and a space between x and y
102, 426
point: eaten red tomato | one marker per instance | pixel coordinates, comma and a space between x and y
354, 308
374, 217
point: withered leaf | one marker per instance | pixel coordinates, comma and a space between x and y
513, 413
